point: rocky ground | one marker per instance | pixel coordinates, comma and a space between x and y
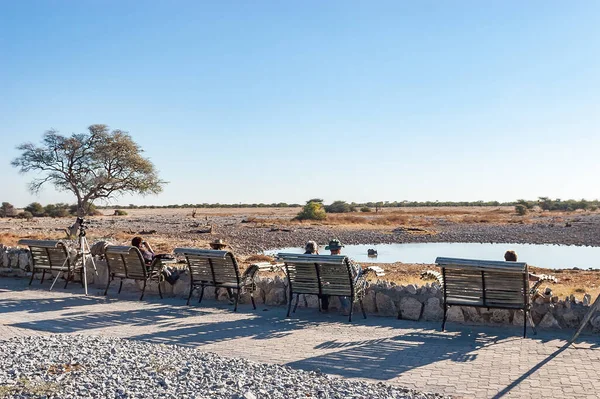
177, 228
67, 366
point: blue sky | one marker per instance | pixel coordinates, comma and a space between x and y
256, 101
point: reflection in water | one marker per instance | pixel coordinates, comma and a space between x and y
549, 256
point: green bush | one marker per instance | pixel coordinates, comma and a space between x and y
59, 210
25, 215
365, 209
35, 208
120, 212
7, 210
312, 211
521, 209
593, 208
339, 207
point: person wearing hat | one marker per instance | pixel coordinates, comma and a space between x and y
335, 247
218, 244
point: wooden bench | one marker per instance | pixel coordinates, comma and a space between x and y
213, 268
47, 255
127, 262
331, 275
486, 284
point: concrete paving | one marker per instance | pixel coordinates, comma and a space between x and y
465, 361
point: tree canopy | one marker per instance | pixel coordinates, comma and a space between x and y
99, 164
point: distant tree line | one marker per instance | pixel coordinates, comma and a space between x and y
313, 209
35, 209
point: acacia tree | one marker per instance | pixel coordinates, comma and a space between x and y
96, 165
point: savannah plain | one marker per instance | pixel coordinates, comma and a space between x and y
250, 231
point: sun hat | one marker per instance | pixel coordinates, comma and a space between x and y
311, 247
218, 243
334, 244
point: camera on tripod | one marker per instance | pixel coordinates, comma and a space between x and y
83, 225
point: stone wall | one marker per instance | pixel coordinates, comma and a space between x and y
382, 298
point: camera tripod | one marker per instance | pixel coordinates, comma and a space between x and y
83, 253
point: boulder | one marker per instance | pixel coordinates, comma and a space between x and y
275, 297
181, 288
24, 261
455, 315
518, 318
410, 308
369, 302
571, 319
587, 298
596, 323
548, 321
411, 289
385, 305
471, 314
433, 310
500, 316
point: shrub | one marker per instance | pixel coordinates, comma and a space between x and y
521, 209
35, 208
312, 211
339, 207
365, 209
7, 210
120, 212
57, 210
25, 215
593, 208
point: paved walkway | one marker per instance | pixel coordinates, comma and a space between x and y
464, 362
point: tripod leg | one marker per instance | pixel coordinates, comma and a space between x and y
56, 278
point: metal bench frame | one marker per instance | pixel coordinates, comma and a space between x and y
127, 262
213, 268
53, 256
323, 275
486, 284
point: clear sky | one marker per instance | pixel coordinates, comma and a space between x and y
269, 101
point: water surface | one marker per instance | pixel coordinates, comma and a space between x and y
548, 256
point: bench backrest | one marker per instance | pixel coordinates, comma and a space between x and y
318, 274
211, 266
485, 283
48, 254
125, 261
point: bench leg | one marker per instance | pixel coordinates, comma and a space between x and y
296, 305
43, 274
32, 274
120, 286
190, 294
68, 277
363, 309
143, 289
290, 304
159, 289
109, 280
351, 309
202, 294
252, 299
237, 299
445, 316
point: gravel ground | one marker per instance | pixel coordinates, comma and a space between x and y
71, 366
250, 238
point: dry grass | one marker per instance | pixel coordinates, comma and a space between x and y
11, 239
